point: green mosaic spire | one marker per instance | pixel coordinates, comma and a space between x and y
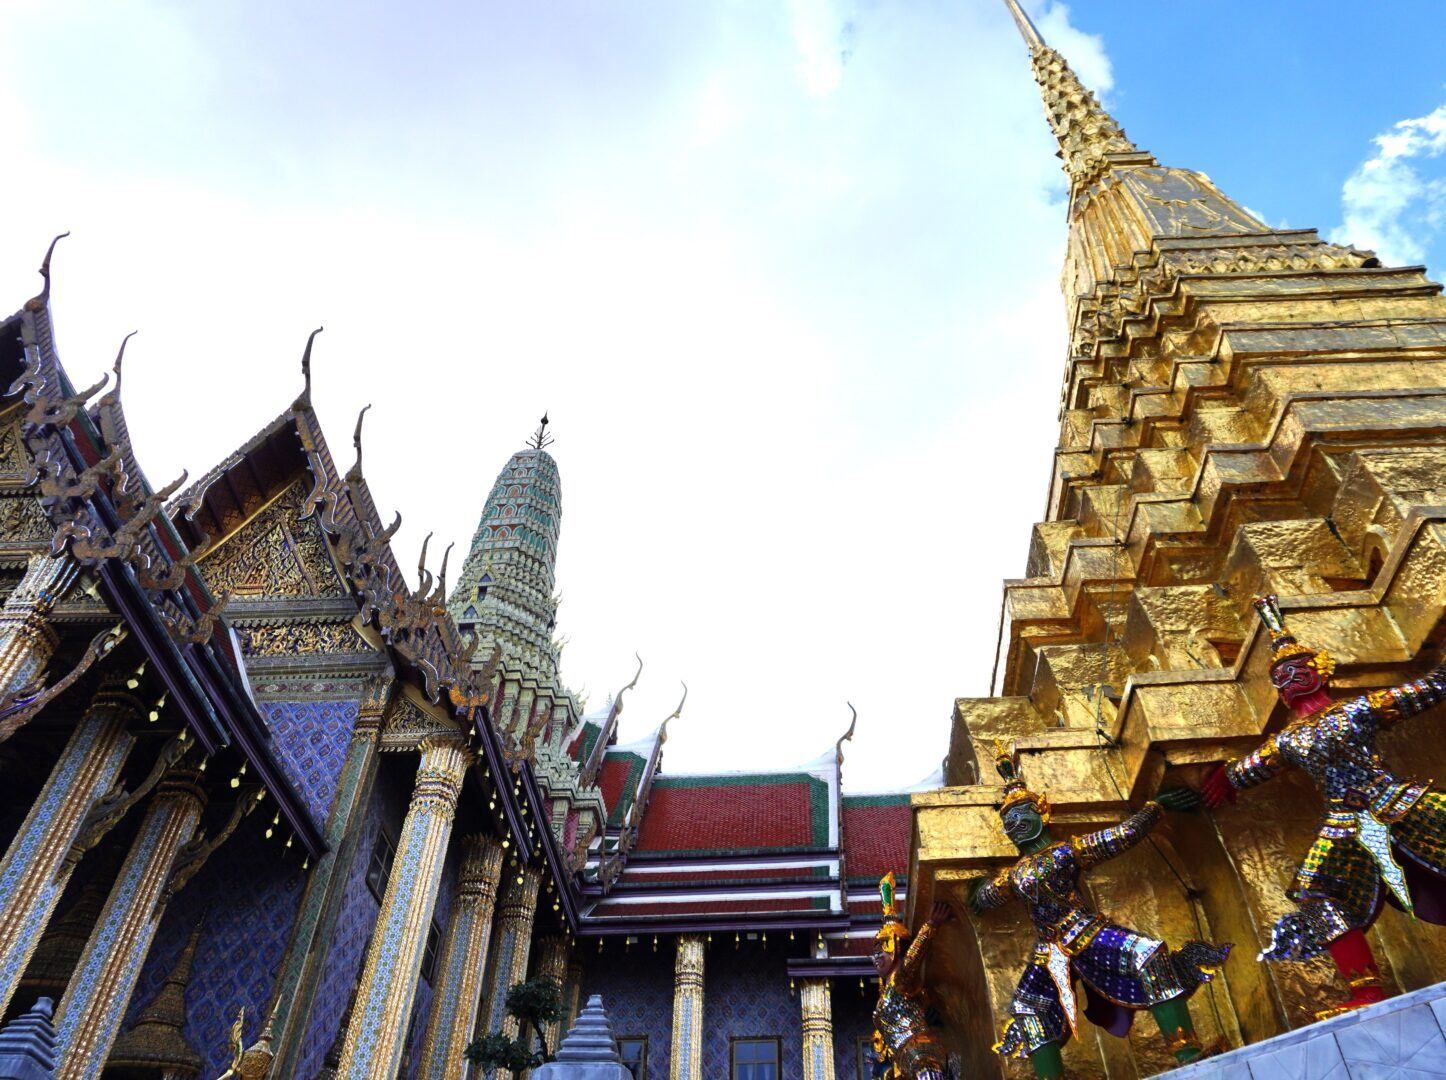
505, 593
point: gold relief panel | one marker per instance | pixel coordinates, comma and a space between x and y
407, 724
294, 639
15, 460
23, 522
275, 554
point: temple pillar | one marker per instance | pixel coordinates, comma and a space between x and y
35, 869
686, 1062
26, 637
516, 913
376, 1036
817, 1005
572, 995
552, 956
321, 902
456, 997
90, 1013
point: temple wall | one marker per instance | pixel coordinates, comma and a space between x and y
746, 995
853, 1022
310, 738
358, 915
637, 991
246, 898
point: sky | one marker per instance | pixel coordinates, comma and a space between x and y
784, 276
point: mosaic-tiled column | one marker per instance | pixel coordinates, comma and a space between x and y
515, 914
687, 1059
817, 1029
26, 637
552, 956
35, 870
376, 1036
90, 1013
457, 994
572, 995
322, 900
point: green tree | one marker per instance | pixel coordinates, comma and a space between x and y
534, 1004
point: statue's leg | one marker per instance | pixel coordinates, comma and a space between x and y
1048, 1062
1357, 965
1173, 1016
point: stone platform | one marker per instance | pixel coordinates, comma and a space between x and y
1404, 1038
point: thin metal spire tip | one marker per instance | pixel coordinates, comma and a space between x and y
1026, 27
540, 438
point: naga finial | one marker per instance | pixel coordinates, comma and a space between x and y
848, 735
354, 473
540, 438
306, 365
45, 265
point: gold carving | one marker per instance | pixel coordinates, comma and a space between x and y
275, 554
294, 639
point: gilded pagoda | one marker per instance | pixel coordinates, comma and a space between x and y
1245, 410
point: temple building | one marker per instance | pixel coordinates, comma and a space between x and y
271, 807
1245, 410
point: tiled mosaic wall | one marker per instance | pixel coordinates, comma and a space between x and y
354, 924
637, 992
853, 1009
746, 995
310, 738
246, 898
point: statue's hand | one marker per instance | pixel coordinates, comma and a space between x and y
1217, 789
940, 913
1180, 798
974, 904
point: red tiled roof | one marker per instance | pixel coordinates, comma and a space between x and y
618, 780
707, 906
876, 835
766, 812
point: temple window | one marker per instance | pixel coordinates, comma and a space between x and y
379, 869
755, 1059
634, 1051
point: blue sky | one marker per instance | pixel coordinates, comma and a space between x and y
785, 276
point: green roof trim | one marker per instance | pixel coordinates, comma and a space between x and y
892, 799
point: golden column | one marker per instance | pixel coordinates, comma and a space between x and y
457, 995
572, 995
553, 953
34, 871
26, 637
687, 1057
90, 1013
514, 942
376, 1035
817, 1007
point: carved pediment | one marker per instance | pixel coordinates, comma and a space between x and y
407, 725
275, 554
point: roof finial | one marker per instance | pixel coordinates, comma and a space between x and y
306, 364
540, 437
1026, 27
354, 473
847, 736
663, 731
45, 265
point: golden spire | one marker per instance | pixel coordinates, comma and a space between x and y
1089, 138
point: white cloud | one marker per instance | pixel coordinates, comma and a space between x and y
1395, 203
802, 362
818, 32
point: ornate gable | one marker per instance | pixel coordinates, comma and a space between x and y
275, 554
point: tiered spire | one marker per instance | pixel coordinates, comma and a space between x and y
505, 592
1089, 137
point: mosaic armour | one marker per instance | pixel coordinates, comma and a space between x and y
902, 1036
1122, 970
1378, 828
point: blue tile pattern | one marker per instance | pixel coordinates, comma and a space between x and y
247, 899
310, 739
853, 1019
746, 995
637, 992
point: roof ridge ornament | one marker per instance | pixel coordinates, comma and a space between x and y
847, 736
305, 398
44, 295
540, 438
